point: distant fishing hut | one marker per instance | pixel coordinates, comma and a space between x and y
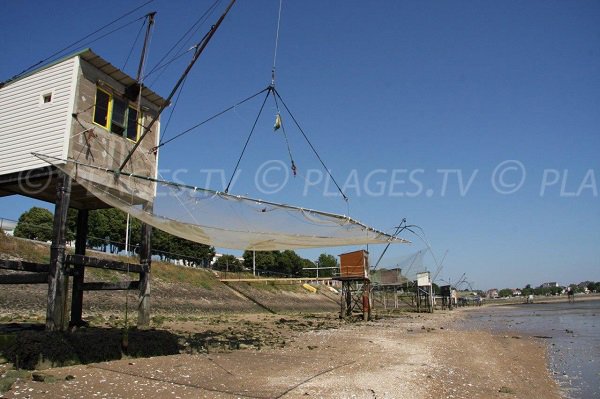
356, 286
82, 109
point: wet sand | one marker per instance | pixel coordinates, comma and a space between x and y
405, 356
570, 331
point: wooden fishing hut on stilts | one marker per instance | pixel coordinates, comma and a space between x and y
356, 286
82, 109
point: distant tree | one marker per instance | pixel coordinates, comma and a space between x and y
228, 263
291, 263
35, 224
107, 229
306, 265
265, 260
527, 290
505, 292
190, 252
326, 262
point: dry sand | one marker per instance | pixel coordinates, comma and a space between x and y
406, 356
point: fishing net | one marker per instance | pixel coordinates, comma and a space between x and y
395, 270
220, 219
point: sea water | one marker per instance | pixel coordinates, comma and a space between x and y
571, 331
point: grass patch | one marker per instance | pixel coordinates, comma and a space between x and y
179, 274
25, 249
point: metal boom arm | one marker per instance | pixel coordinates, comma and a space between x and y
199, 48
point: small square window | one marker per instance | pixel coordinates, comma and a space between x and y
47, 98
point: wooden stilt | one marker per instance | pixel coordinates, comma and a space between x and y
58, 280
366, 301
145, 261
79, 270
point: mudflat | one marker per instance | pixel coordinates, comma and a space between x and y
406, 355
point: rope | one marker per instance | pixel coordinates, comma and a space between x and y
190, 32
173, 108
248, 139
276, 44
310, 144
209, 119
287, 143
133, 45
59, 52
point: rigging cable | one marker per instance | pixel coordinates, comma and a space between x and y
133, 45
209, 119
199, 49
287, 143
310, 145
276, 44
59, 52
248, 139
190, 32
173, 108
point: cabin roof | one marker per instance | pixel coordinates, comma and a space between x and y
105, 67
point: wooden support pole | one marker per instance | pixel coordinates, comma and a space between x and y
143, 320
58, 280
79, 270
366, 301
342, 301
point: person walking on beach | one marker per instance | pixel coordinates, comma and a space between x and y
571, 294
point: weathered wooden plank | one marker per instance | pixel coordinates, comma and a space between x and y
58, 279
143, 320
80, 260
102, 286
24, 266
79, 270
22, 278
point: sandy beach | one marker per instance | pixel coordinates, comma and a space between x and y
402, 356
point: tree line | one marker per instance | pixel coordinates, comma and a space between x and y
544, 291
107, 229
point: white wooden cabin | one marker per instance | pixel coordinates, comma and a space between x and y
81, 108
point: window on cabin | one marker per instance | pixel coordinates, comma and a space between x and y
119, 122
115, 115
101, 108
46, 98
132, 124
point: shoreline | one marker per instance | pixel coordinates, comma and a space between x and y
542, 300
402, 356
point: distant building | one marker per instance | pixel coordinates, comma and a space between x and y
493, 293
553, 284
8, 226
516, 292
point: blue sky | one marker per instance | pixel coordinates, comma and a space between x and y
403, 100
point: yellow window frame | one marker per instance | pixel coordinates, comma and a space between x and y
137, 126
109, 113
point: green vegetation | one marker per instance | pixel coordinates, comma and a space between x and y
327, 262
228, 263
178, 274
26, 250
287, 264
